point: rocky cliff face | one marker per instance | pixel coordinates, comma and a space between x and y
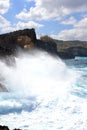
48, 46
71, 52
78, 51
26, 39
23, 38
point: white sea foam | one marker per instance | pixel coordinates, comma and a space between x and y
39, 94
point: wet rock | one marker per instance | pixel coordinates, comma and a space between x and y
4, 128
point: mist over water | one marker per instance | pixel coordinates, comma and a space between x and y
37, 74
40, 93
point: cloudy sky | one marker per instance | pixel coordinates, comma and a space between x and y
60, 19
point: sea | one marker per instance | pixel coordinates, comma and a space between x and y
44, 92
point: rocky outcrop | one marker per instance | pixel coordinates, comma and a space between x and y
25, 42
48, 46
77, 51
66, 55
72, 52
26, 39
11, 41
4, 128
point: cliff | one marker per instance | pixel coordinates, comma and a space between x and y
11, 41
26, 39
70, 49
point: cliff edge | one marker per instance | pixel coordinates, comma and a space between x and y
26, 40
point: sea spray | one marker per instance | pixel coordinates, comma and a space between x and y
39, 88
38, 74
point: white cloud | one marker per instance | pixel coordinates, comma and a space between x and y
78, 32
49, 9
8, 29
82, 23
5, 25
30, 24
20, 25
70, 21
3, 22
4, 6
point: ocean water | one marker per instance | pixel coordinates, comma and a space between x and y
44, 93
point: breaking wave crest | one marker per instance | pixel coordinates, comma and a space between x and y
36, 83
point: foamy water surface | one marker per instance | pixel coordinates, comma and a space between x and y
44, 93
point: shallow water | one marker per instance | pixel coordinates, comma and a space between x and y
45, 93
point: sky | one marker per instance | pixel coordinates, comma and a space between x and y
60, 19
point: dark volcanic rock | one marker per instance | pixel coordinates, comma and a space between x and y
48, 46
66, 55
4, 128
72, 52
23, 38
77, 51
26, 40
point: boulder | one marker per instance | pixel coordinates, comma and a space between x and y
4, 128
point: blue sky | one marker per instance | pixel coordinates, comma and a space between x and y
60, 19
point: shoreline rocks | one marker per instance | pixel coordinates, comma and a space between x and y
26, 40
6, 128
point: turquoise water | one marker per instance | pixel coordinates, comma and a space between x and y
45, 93
80, 64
